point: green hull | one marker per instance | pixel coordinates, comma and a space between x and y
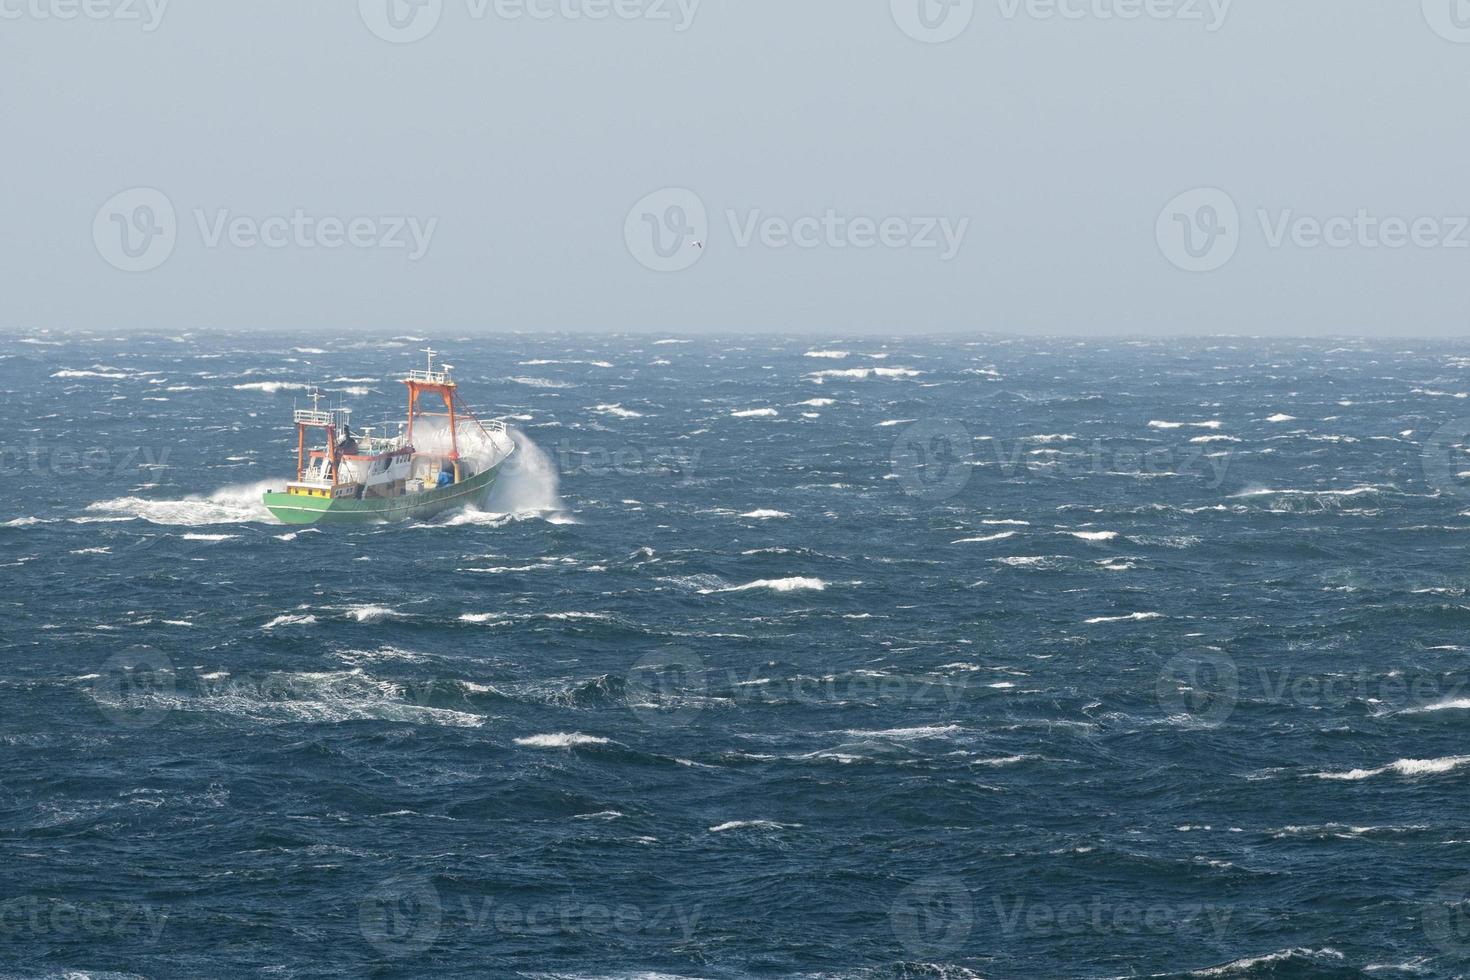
295, 509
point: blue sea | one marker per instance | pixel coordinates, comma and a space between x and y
858, 658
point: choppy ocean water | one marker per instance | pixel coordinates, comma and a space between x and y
947, 658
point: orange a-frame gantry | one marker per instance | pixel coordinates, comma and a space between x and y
315, 418
431, 382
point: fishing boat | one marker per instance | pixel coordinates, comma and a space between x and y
436, 462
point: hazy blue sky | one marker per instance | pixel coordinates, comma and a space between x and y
518, 149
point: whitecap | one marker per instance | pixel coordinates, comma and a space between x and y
109, 375
1001, 536
26, 522
1351, 492
1137, 617
1005, 760
1211, 424
751, 825
793, 584
1247, 965
367, 613
239, 504
289, 619
272, 387
1403, 767
863, 374
1454, 704
617, 411
560, 740
905, 734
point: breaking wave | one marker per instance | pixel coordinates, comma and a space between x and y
238, 504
